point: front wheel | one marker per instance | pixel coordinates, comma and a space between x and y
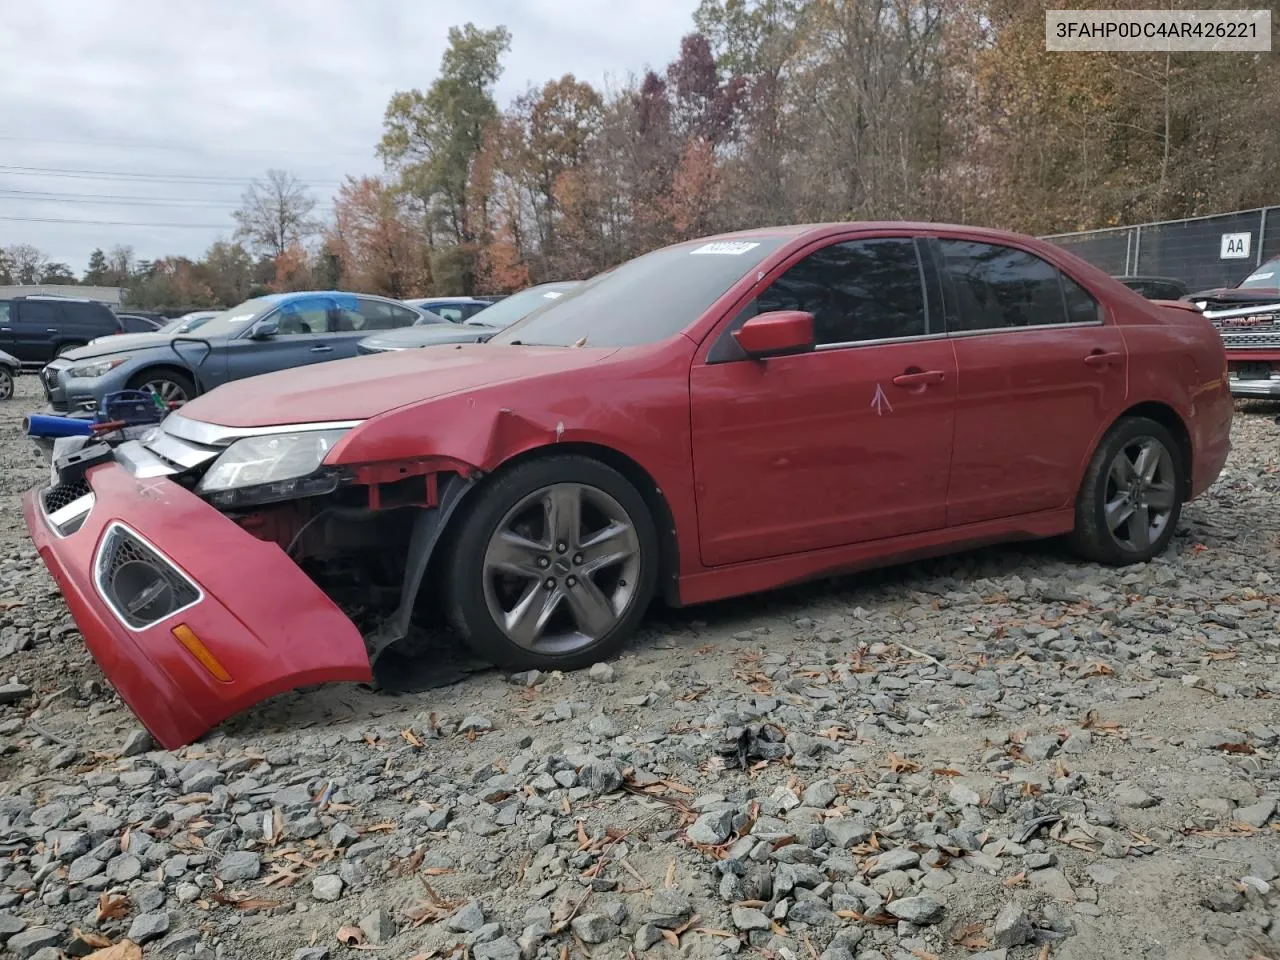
6, 383
1131, 498
553, 567
169, 385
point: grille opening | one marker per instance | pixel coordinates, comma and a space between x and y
141, 586
57, 497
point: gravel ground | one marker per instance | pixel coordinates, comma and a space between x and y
1006, 754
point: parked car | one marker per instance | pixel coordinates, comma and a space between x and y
260, 335
139, 323
9, 367
452, 309
36, 329
189, 321
481, 325
1248, 318
714, 418
1156, 288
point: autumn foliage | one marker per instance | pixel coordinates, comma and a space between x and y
778, 111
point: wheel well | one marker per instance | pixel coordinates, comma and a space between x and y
1168, 418
168, 368
635, 474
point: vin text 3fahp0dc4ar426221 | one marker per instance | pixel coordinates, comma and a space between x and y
714, 418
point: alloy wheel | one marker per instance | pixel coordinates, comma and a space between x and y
166, 390
561, 568
1141, 493
6, 385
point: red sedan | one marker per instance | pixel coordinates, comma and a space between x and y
713, 418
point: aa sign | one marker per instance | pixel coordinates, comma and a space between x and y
1235, 246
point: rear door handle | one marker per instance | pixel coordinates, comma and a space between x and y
50, 329
1100, 359
322, 349
919, 378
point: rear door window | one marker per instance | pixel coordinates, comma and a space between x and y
377, 315
39, 313
1004, 288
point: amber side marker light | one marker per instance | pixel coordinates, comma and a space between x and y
187, 637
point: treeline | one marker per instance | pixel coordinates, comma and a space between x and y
772, 111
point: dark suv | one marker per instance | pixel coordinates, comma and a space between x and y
36, 329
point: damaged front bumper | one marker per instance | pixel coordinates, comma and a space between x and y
191, 618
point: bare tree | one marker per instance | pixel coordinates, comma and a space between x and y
23, 263
275, 213
119, 265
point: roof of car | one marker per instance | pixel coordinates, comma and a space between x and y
294, 294
815, 230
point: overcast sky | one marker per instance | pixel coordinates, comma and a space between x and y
176, 105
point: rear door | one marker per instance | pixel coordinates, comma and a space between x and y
1041, 368
359, 317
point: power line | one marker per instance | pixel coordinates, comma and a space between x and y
39, 196
121, 223
121, 200
174, 145
129, 177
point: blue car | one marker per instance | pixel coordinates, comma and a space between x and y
258, 336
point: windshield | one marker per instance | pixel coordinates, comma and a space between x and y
519, 305
229, 321
646, 299
1264, 276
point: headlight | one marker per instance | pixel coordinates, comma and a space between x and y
1202, 304
275, 467
98, 368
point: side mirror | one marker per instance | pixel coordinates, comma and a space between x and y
265, 330
780, 333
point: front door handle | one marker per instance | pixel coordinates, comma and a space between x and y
322, 349
50, 329
1100, 359
917, 378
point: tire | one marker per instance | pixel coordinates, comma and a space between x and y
171, 385
592, 605
66, 348
6, 383
1116, 538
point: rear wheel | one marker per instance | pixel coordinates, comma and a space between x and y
169, 385
6, 383
1131, 498
554, 566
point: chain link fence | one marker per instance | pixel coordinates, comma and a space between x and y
1203, 252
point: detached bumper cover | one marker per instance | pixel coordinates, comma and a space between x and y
269, 628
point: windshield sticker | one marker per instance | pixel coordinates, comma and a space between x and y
241, 317
1263, 276
732, 248
552, 295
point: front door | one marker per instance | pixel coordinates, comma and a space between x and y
302, 337
1040, 368
849, 443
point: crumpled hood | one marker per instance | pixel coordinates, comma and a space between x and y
408, 338
363, 387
